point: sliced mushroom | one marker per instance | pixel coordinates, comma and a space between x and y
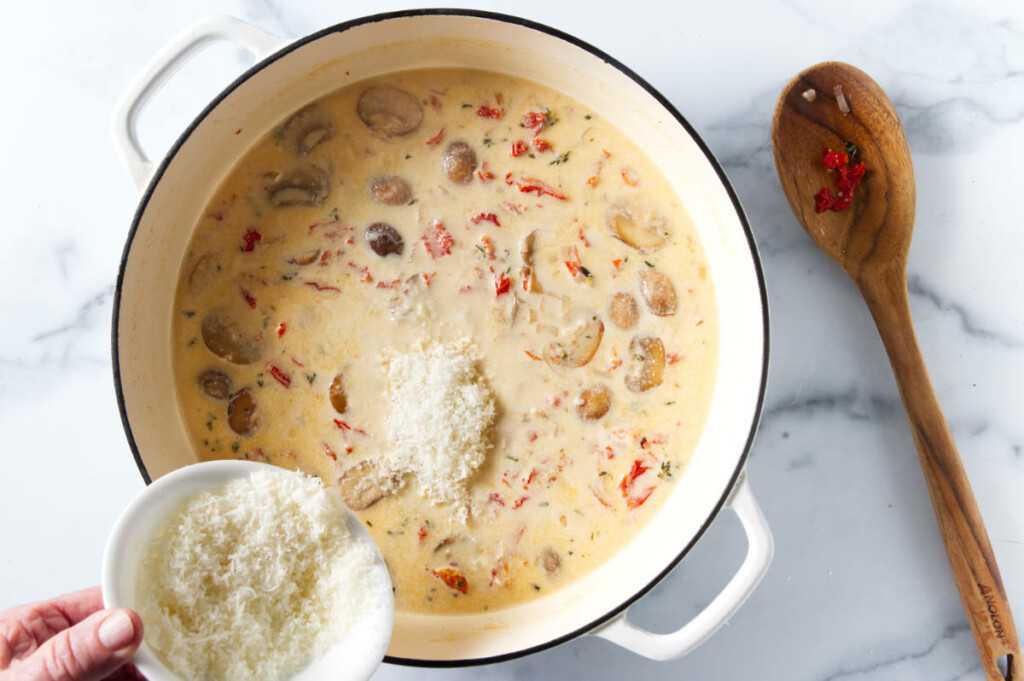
389, 111
459, 162
302, 186
339, 398
658, 292
646, 364
526, 248
391, 190
365, 484
226, 338
580, 349
550, 561
242, 413
593, 402
384, 240
215, 383
624, 310
204, 273
307, 258
642, 229
307, 129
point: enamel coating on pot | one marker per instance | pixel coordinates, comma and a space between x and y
322, 62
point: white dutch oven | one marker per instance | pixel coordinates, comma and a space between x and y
289, 74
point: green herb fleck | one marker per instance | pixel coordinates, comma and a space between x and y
488, 141
585, 271
408, 156
235, 445
259, 380
666, 470
412, 201
587, 117
310, 378
561, 158
369, 524
851, 148
289, 276
467, 106
189, 314
535, 587
640, 358
192, 342
335, 215
648, 263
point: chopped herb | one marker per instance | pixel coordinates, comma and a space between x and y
851, 148
192, 342
209, 424
488, 141
543, 504
603, 473
369, 524
509, 456
467, 106
640, 358
289, 276
412, 201
334, 214
584, 271
670, 403
570, 553
648, 263
231, 408
259, 380
666, 470
561, 158
235, 445
189, 313
310, 378
408, 156
531, 155
587, 117
535, 587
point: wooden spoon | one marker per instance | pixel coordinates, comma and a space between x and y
827, 106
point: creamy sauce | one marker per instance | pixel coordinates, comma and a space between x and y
518, 248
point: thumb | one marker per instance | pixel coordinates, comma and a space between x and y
88, 651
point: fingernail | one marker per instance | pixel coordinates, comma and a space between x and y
117, 631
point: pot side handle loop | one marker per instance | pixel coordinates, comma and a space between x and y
160, 69
761, 548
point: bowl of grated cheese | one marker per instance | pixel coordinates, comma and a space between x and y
244, 570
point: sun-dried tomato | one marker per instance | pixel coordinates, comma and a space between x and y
280, 376
849, 177
452, 578
490, 112
250, 239
519, 147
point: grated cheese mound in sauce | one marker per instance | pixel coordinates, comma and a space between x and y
441, 413
254, 580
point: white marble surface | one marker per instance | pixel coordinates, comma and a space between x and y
860, 589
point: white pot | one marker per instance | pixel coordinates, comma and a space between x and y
288, 75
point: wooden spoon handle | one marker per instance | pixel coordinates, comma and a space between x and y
967, 544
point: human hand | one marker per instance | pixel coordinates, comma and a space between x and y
69, 638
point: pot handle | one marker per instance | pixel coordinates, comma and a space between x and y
761, 548
165, 64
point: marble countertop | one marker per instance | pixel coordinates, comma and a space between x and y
860, 589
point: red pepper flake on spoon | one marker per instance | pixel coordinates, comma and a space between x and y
849, 177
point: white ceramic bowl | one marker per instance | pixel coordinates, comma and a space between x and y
354, 658
290, 74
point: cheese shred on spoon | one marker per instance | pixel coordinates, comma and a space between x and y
254, 580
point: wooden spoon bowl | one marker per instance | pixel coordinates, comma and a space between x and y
836, 106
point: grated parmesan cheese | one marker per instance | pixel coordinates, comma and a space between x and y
441, 413
254, 580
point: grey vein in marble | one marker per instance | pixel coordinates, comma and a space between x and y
917, 287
